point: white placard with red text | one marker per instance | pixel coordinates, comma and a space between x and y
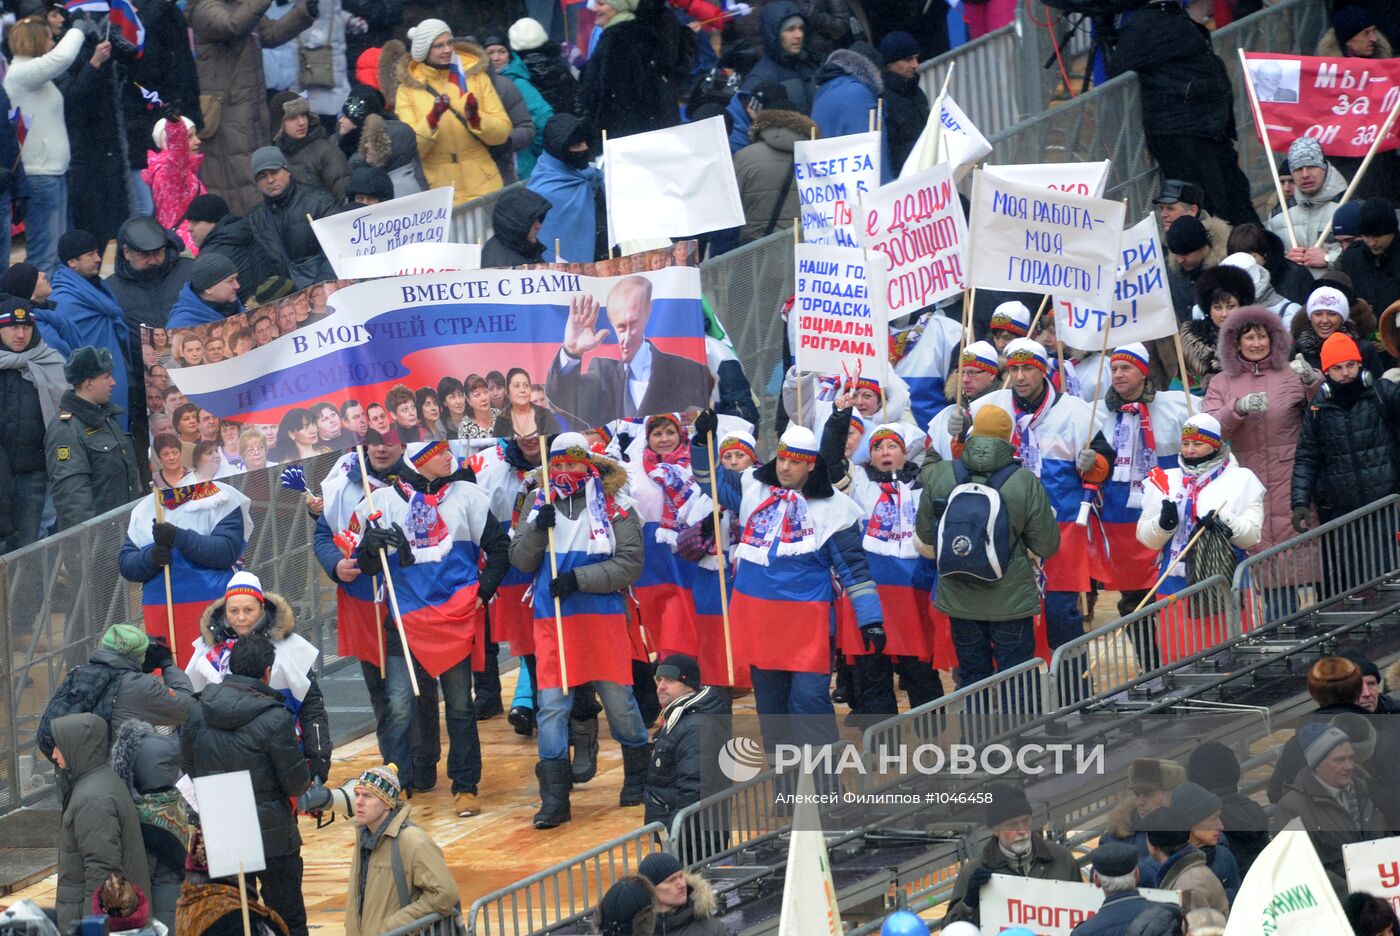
832, 176
836, 325
1047, 908
1076, 178
914, 230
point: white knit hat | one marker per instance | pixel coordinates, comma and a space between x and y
527, 34
421, 37
158, 131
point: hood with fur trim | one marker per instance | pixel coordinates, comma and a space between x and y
1330, 47
700, 905
1219, 231
845, 62
614, 475
1227, 348
374, 141
781, 128
393, 52
1389, 331
1361, 322
277, 624
407, 70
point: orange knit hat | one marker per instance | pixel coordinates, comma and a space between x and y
1338, 349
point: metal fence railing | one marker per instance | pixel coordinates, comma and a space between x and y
1103, 661
981, 83
1340, 556
471, 221
60, 594
565, 893
434, 924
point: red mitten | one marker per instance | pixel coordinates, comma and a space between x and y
473, 112
440, 106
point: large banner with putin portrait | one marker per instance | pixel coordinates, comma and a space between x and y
538, 350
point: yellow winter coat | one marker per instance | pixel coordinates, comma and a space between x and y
454, 154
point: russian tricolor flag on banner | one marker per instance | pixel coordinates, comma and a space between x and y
122, 15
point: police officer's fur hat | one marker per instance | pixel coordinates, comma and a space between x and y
86, 363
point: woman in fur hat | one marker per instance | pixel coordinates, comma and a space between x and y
1219, 291
245, 609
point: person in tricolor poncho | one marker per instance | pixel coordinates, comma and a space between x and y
436, 526
1210, 487
246, 609
979, 366
597, 552
798, 531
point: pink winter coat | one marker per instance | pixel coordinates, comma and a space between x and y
173, 175
1264, 443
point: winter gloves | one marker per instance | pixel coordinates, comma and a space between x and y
158, 657
544, 517
1300, 519
1252, 403
440, 106
958, 422
564, 585
1084, 461
379, 539
473, 112
874, 638
1304, 370
704, 426
163, 541
1169, 517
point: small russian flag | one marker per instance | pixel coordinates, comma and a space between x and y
121, 13
456, 74
21, 124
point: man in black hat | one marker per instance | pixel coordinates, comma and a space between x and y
91, 461
368, 185
211, 295
1191, 249
215, 229
1013, 849
1374, 264
281, 221
694, 726
1115, 872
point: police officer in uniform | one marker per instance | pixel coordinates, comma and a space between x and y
91, 461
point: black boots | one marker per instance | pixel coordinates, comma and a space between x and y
634, 774
583, 738
522, 719
554, 793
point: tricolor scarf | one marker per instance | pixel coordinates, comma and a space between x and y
1135, 452
782, 516
602, 509
423, 525
173, 497
1193, 481
890, 531
1026, 434
672, 475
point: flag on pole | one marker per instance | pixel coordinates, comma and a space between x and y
21, 124
1287, 892
809, 896
456, 75
121, 14
956, 142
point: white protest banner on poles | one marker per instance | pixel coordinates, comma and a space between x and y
832, 176
916, 227
810, 907
420, 218
1142, 303
960, 144
676, 182
836, 327
1374, 868
1287, 892
416, 259
1048, 908
232, 835
1077, 178
1028, 239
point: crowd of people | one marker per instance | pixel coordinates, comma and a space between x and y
915, 530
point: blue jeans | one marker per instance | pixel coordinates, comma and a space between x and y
624, 718
141, 196
45, 221
463, 742
27, 508
793, 708
984, 647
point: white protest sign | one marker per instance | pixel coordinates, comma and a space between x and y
413, 260
232, 835
916, 226
423, 217
809, 906
1374, 868
1049, 908
960, 144
1077, 178
1028, 239
831, 176
1287, 892
1142, 302
835, 325
671, 183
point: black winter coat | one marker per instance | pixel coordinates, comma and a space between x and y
233, 237
12, 183
906, 112
99, 177
552, 78
166, 67
511, 219
281, 229
22, 429
1185, 89
683, 761
627, 86
241, 724
1375, 279
1346, 450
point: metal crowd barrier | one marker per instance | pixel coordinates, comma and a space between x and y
1103, 661
471, 221
565, 893
434, 924
59, 595
1349, 552
981, 83
984, 709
